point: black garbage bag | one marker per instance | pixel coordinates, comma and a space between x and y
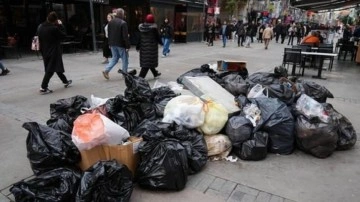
256, 148
280, 71
60, 184
69, 106
163, 163
195, 145
105, 181
129, 114
48, 148
137, 89
195, 73
238, 129
242, 101
263, 78
161, 96
192, 140
315, 137
314, 90
277, 120
346, 132
235, 84
282, 92
62, 122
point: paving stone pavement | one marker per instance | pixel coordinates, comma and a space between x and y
230, 191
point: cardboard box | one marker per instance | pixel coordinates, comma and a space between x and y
232, 66
126, 153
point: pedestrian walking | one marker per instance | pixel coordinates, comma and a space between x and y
119, 42
148, 47
50, 34
225, 33
248, 35
211, 33
240, 32
268, 34
291, 31
4, 70
166, 36
106, 48
261, 30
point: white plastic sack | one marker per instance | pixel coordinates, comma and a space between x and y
94, 129
253, 113
216, 117
311, 108
257, 92
96, 101
218, 145
185, 110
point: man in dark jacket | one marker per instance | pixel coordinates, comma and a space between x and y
50, 34
118, 38
240, 32
148, 47
166, 35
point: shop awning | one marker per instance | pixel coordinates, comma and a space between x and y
320, 5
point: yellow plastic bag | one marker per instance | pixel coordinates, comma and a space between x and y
216, 117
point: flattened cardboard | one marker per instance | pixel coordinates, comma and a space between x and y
91, 156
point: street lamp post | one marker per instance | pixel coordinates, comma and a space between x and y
92, 24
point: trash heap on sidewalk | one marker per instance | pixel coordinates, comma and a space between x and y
95, 150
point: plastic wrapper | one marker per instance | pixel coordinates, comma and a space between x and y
258, 91
238, 129
185, 110
253, 113
311, 108
94, 129
60, 185
218, 145
105, 181
315, 137
347, 134
256, 148
48, 148
216, 117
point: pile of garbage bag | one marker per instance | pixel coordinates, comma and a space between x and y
177, 134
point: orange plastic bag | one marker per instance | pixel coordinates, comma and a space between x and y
95, 129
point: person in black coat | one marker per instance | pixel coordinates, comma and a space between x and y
50, 34
148, 47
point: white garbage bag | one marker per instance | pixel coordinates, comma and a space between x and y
95, 129
185, 110
219, 145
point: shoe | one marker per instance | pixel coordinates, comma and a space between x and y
106, 75
163, 56
158, 74
265, 47
105, 62
68, 83
45, 91
119, 71
6, 71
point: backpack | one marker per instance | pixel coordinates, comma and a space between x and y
35, 44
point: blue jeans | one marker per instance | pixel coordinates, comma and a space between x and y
166, 45
117, 53
224, 40
2, 66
